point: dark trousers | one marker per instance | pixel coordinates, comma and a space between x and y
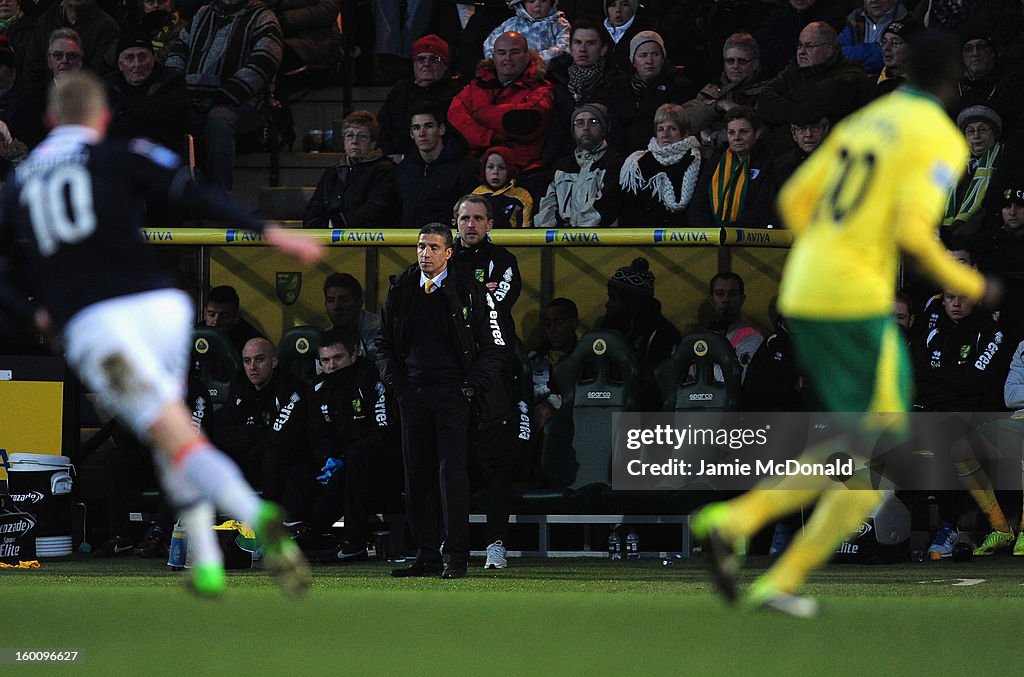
494, 463
367, 480
435, 438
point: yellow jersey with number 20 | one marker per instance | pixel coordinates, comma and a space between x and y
877, 185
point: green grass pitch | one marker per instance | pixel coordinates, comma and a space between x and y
132, 617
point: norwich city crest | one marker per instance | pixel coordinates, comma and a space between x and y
288, 287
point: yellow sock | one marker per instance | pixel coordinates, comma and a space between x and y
756, 508
837, 514
977, 482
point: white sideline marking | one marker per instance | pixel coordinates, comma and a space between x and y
963, 582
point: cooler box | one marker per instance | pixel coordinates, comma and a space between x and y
41, 484
882, 538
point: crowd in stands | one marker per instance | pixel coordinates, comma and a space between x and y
516, 75
678, 140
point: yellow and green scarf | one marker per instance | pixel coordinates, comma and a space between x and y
971, 202
728, 190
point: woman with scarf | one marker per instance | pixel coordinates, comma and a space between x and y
737, 189
658, 183
965, 207
652, 82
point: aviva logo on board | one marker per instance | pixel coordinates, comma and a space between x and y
235, 235
571, 236
357, 236
680, 236
157, 235
759, 237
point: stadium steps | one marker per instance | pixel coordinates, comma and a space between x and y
284, 203
296, 170
319, 109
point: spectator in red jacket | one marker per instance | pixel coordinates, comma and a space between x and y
508, 103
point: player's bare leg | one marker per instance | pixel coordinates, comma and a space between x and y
220, 480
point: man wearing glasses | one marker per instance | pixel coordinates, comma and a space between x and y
65, 53
821, 83
97, 44
430, 84
585, 192
740, 85
981, 82
807, 133
894, 54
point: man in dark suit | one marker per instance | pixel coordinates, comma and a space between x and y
441, 349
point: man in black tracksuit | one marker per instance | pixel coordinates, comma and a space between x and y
441, 349
264, 427
495, 444
959, 366
354, 441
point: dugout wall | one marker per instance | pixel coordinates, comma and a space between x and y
276, 294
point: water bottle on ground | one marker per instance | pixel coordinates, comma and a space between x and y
614, 545
632, 545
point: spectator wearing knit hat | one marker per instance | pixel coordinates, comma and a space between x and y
965, 210
633, 310
585, 191
651, 82
511, 205
145, 100
980, 83
895, 50
432, 84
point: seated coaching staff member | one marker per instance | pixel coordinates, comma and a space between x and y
441, 350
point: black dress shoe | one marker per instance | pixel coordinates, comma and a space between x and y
417, 569
454, 570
